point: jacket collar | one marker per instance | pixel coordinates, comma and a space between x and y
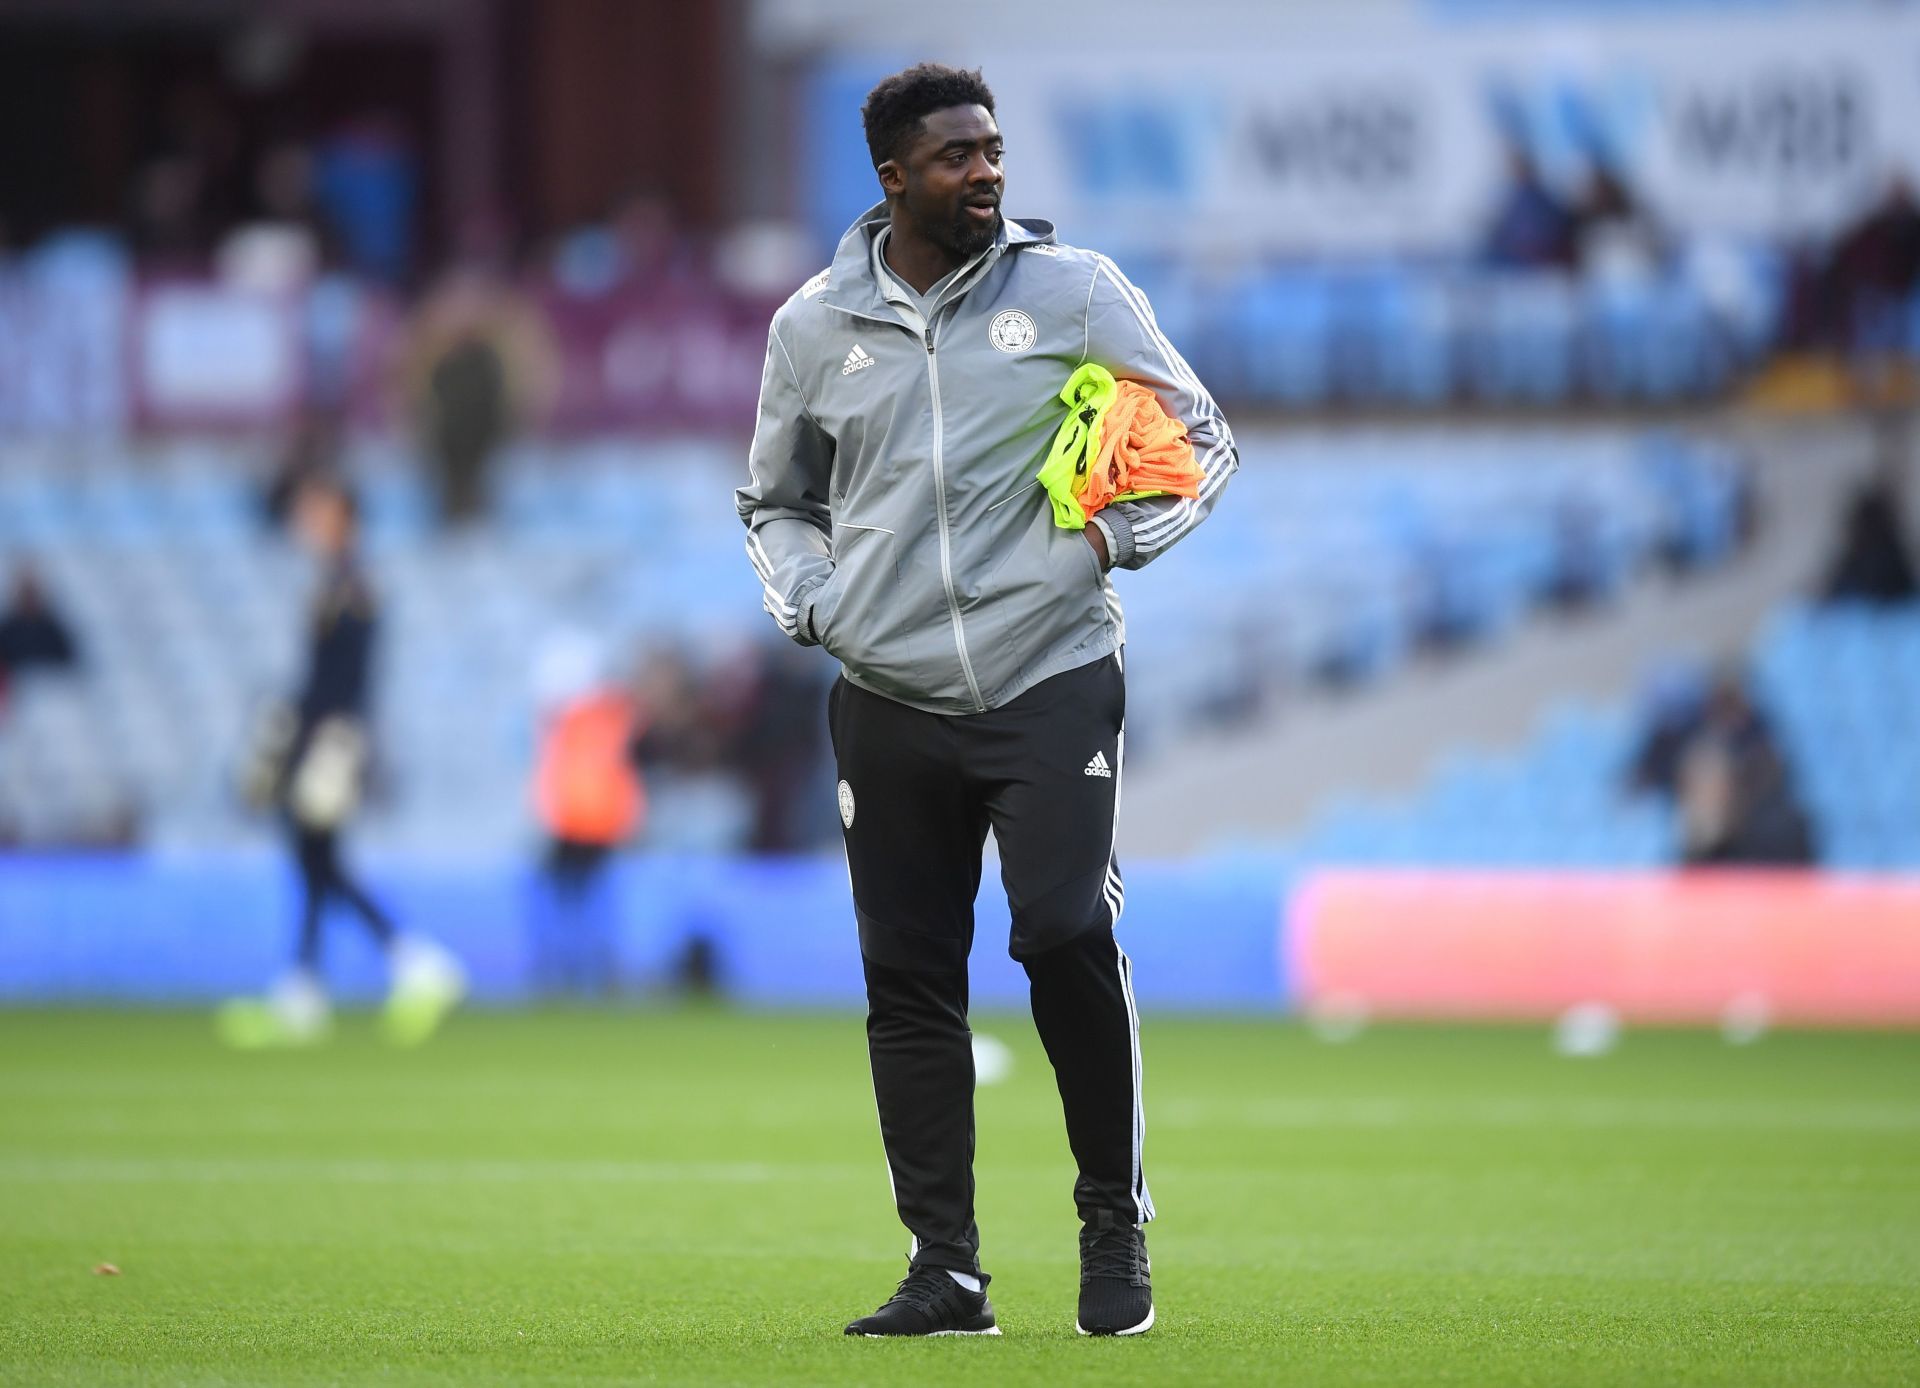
850, 281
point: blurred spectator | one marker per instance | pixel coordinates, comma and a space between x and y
696, 804
167, 222
1614, 235
681, 733
278, 250
1736, 799
478, 362
1532, 229
366, 177
32, 633
1674, 703
589, 799
311, 452
640, 246
1873, 563
192, 185
1581, 573
776, 746
1874, 268
734, 753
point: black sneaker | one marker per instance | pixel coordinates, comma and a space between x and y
930, 1302
1116, 1278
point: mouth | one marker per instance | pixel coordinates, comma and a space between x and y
982, 212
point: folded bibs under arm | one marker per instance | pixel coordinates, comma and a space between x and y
1117, 443
1089, 393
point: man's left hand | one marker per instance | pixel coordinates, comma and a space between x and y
1098, 539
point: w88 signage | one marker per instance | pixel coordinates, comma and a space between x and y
1764, 125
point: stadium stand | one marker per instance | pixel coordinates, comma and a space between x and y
1419, 336
1308, 335
1340, 556
1841, 686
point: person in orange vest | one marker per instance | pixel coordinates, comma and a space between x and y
589, 799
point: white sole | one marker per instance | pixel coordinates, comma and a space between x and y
1139, 1329
936, 1334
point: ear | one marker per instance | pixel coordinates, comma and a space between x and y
893, 178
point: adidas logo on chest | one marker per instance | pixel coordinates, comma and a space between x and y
857, 360
1099, 766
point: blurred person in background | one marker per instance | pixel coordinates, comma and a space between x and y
681, 730
1615, 236
477, 363
638, 247
1872, 272
1734, 793
366, 177
166, 222
589, 798
775, 743
33, 636
276, 249
311, 768
192, 183
1873, 562
1673, 703
1532, 229
309, 452
697, 802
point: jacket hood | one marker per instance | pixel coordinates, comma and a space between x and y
850, 282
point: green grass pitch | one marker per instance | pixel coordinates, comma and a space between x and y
698, 1196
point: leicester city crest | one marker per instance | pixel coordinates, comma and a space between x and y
1012, 331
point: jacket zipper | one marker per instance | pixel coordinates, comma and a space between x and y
939, 489
940, 513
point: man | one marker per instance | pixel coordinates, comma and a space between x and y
588, 796
32, 632
310, 770
908, 400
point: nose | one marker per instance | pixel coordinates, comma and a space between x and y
981, 172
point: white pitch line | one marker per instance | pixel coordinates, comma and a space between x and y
1757, 1115
269, 1170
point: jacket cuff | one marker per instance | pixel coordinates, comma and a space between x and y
1119, 532
803, 630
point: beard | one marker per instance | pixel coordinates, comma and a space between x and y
968, 238
960, 236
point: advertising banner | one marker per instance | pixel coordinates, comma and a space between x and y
1761, 125
1800, 947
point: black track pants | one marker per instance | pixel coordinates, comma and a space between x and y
324, 877
918, 792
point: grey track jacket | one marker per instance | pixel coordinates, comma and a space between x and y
893, 514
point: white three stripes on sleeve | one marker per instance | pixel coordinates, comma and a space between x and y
1215, 466
782, 611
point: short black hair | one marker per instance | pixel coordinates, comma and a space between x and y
896, 108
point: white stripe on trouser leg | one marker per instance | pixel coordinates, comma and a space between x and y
1116, 900
886, 1157
1142, 1201
893, 1191
1115, 890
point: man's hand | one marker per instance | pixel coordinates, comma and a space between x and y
1098, 539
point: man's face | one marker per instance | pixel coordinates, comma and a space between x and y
949, 180
321, 521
